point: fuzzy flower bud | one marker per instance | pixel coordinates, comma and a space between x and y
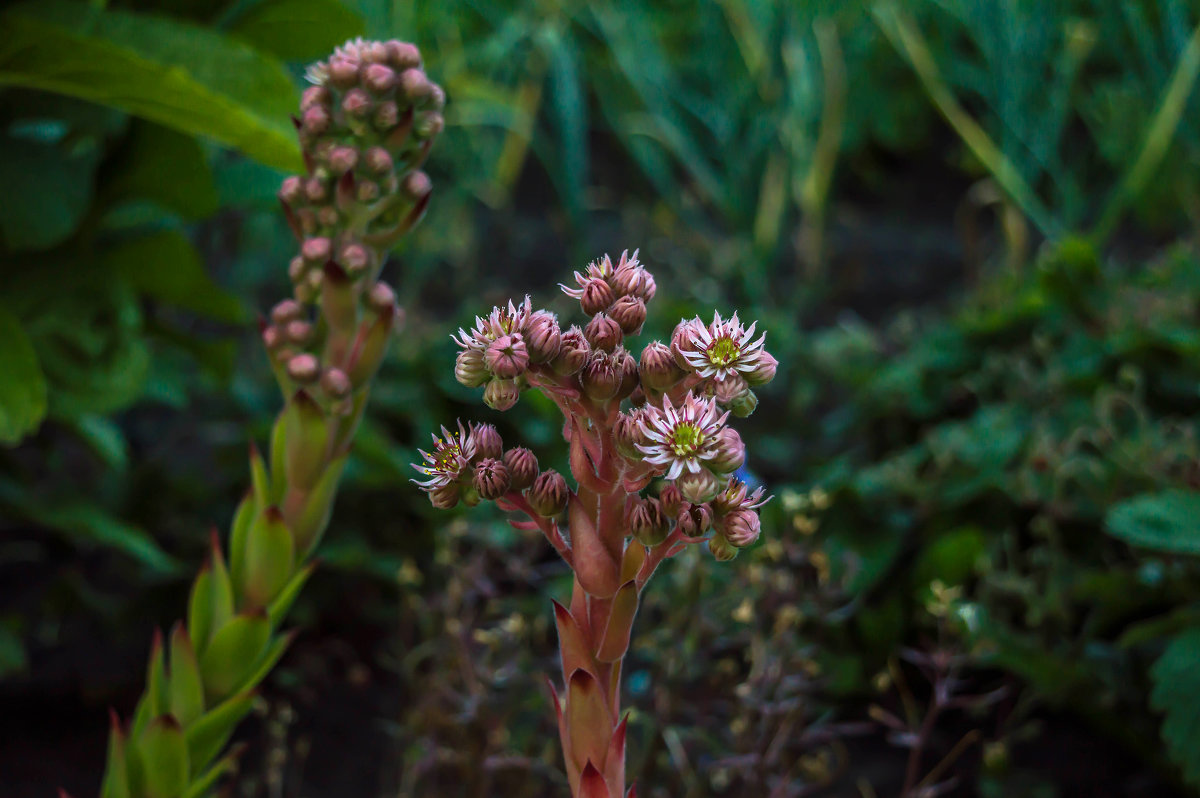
506, 357
378, 160
286, 310
694, 519
470, 368
741, 527
335, 383
491, 478
658, 368
445, 497
671, 499
354, 258
630, 313
315, 120
501, 394
764, 370
299, 332
603, 332
291, 190
549, 493
414, 85
487, 440
596, 296
542, 336
357, 103
648, 524
573, 352
522, 467
632, 279
601, 377
683, 341
722, 550
731, 452
629, 371
342, 160
304, 368
416, 185
627, 434
379, 78
699, 486
315, 250
744, 404
314, 95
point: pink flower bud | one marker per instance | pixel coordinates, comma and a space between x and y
600, 377
285, 311
298, 332
354, 258
522, 467
446, 496
314, 95
628, 369
315, 120
403, 55
387, 116
328, 216
429, 124
304, 368
573, 352
487, 440
470, 369
628, 433
315, 250
732, 497
291, 190
630, 313
603, 332
366, 191
764, 369
272, 337
682, 341
648, 524
343, 72
437, 98
700, 486
416, 185
501, 394
632, 279
378, 160
542, 336
507, 357
315, 190
727, 390
414, 85
658, 368
373, 52
335, 383
741, 527
491, 478
357, 104
731, 452
379, 78
381, 299
549, 493
596, 296
722, 550
671, 500
342, 159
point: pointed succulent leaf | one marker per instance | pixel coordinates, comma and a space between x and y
370, 346
243, 518
571, 643
632, 793
269, 658
208, 735
154, 700
210, 605
306, 439
185, 690
163, 754
592, 784
615, 641
260, 479
233, 652
309, 524
278, 448
589, 723
282, 603
116, 769
270, 558
631, 561
202, 785
594, 567
614, 761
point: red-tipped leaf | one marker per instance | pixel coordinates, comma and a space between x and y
589, 723
592, 784
571, 643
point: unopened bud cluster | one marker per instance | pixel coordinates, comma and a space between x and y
630, 419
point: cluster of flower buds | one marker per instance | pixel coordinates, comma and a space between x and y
366, 126
628, 422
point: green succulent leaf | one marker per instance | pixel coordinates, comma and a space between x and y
208, 735
22, 384
188, 78
163, 755
1176, 693
233, 652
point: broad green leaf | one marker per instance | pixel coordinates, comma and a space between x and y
165, 266
163, 166
55, 191
1176, 693
297, 29
1168, 521
186, 77
22, 384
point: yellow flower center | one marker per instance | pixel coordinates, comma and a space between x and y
686, 439
723, 351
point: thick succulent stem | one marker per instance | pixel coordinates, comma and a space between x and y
364, 129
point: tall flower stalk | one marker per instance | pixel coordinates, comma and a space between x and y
366, 125
657, 421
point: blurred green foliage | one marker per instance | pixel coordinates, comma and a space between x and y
1003, 407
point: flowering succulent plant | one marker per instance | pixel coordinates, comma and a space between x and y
630, 423
366, 126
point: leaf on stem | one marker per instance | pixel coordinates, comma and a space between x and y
571, 642
624, 607
592, 784
589, 723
